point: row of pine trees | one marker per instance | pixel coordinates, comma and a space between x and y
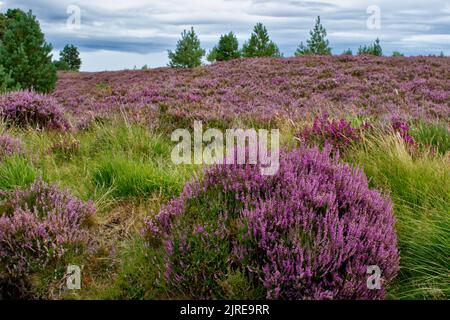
189, 53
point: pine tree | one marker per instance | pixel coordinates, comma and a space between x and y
259, 44
6, 82
317, 43
188, 53
374, 49
348, 52
24, 54
226, 49
61, 65
71, 57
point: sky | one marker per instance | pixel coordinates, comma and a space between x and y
118, 34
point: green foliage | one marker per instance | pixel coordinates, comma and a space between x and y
259, 44
432, 134
317, 44
61, 65
6, 82
421, 193
188, 53
16, 171
348, 52
397, 54
374, 49
130, 178
227, 49
24, 54
71, 57
138, 273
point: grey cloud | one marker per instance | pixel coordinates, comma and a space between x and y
147, 27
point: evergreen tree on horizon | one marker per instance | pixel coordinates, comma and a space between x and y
188, 53
227, 48
259, 44
70, 57
374, 49
317, 44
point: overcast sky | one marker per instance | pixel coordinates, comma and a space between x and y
119, 34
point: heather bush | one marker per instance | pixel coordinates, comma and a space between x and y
40, 226
308, 232
27, 108
338, 133
9, 146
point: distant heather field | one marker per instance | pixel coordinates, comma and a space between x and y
377, 87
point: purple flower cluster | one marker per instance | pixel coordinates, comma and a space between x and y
309, 232
9, 146
402, 128
338, 133
27, 108
39, 225
264, 89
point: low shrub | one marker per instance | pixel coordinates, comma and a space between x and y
40, 226
339, 133
9, 146
308, 232
27, 108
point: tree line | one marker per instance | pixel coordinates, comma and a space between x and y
189, 53
26, 59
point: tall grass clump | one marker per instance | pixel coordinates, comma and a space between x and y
436, 135
16, 171
308, 232
420, 189
132, 178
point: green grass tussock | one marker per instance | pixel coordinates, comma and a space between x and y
420, 189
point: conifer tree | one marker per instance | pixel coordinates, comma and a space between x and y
317, 43
259, 44
71, 57
188, 53
226, 49
24, 54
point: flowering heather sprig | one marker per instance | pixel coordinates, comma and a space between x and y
338, 133
309, 232
9, 146
27, 108
402, 128
39, 225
